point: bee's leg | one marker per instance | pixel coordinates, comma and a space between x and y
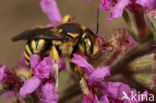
55, 57
83, 81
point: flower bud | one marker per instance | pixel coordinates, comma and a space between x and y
146, 79
138, 26
144, 63
151, 18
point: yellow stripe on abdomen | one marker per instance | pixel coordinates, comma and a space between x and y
28, 64
26, 55
28, 49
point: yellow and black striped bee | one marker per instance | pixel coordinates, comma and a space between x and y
59, 41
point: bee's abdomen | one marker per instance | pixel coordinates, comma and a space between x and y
33, 47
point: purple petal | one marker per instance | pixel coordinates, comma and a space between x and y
34, 60
30, 86
61, 65
43, 69
117, 10
104, 99
90, 99
21, 62
147, 3
8, 94
117, 90
50, 8
105, 5
48, 93
80, 61
98, 75
3, 73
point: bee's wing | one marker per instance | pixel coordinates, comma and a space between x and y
38, 33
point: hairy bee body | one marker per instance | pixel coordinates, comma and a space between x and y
62, 40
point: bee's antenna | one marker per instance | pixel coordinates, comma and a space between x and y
97, 25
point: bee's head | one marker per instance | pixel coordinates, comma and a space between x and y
89, 44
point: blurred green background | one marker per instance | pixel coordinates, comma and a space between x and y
19, 15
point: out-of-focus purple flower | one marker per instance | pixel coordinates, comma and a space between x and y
117, 10
49, 7
147, 3
111, 91
21, 62
48, 93
105, 5
8, 94
3, 73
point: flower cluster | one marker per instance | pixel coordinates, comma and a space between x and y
94, 84
119, 7
110, 91
43, 78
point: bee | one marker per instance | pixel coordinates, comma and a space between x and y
59, 41
62, 40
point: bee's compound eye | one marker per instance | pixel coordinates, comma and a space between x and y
88, 46
95, 48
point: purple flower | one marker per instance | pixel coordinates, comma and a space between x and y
48, 93
98, 75
117, 10
30, 86
105, 5
111, 91
4, 72
93, 75
49, 7
147, 3
8, 94
42, 69
92, 98
34, 82
83, 64
42, 73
